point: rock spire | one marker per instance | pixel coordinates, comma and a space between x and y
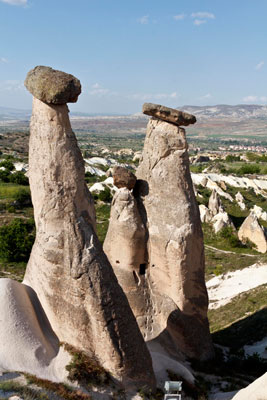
165, 286
68, 268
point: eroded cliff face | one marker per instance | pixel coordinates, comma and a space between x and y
68, 268
169, 282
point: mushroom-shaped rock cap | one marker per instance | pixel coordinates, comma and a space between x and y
52, 86
169, 114
123, 178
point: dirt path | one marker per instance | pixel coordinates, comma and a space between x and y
229, 252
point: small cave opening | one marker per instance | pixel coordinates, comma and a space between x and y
142, 269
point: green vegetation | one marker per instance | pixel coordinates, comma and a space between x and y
26, 392
12, 270
256, 157
16, 240
218, 262
8, 191
84, 369
102, 218
226, 240
227, 324
50, 389
198, 168
245, 303
105, 195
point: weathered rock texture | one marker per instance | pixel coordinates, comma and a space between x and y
252, 230
52, 86
123, 177
68, 268
171, 298
167, 114
221, 220
215, 205
27, 341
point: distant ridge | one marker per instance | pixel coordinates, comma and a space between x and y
222, 111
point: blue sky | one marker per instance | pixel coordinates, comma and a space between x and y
177, 52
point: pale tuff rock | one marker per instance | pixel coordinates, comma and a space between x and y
175, 260
260, 214
125, 246
255, 391
215, 205
221, 220
169, 114
171, 298
137, 156
205, 214
123, 178
52, 86
240, 201
68, 268
27, 341
252, 230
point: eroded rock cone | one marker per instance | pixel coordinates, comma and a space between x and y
215, 204
170, 281
68, 268
252, 230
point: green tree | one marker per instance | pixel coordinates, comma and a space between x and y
19, 178
23, 198
7, 164
105, 195
16, 240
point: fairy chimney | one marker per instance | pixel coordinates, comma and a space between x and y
68, 268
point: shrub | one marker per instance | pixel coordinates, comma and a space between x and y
16, 240
23, 198
19, 178
105, 195
231, 158
4, 175
248, 169
7, 164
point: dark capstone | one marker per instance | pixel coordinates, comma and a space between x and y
123, 178
169, 114
52, 86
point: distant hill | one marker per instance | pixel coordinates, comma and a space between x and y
223, 111
7, 114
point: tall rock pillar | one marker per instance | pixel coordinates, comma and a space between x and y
165, 287
175, 263
68, 268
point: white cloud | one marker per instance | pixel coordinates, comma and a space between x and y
206, 96
3, 60
179, 17
255, 99
259, 66
11, 85
98, 90
199, 21
250, 99
143, 20
15, 2
156, 96
203, 15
